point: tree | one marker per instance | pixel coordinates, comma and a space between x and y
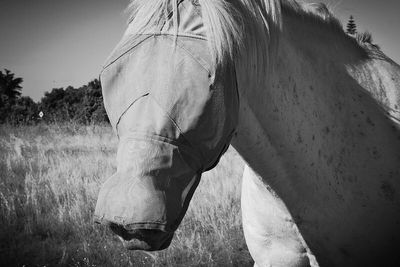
82, 105
54, 106
24, 111
92, 108
351, 26
10, 86
10, 92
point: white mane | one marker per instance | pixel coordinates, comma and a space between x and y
249, 28
233, 27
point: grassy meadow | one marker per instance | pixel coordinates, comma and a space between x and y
49, 179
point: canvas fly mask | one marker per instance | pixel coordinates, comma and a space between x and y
174, 111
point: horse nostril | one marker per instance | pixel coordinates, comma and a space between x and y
142, 239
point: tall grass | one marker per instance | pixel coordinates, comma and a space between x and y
49, 180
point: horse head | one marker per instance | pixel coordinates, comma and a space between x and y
174, 110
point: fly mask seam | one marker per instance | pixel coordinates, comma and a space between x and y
143, 136
123, 113
199, 60
112, 60
193, 147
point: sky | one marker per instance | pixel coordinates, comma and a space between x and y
57, 43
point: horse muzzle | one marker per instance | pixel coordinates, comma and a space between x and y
146, 199
143, 239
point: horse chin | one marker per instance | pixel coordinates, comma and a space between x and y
143, 239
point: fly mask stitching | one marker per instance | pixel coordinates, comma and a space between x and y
123, 113
193, 148
199, 60
112, 60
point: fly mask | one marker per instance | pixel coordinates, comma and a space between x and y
174, 111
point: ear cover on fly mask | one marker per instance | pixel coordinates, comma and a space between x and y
175, 113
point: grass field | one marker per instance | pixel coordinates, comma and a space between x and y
49, 180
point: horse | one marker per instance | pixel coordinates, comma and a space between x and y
313, 112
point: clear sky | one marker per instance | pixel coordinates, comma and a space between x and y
56, 43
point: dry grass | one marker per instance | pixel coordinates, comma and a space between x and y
49, 180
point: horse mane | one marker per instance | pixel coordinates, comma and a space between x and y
249, 28
233, 27
317, 13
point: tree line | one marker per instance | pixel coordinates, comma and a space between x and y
82, 105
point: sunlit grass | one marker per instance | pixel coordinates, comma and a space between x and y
49, 180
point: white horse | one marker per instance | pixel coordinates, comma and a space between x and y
313, 113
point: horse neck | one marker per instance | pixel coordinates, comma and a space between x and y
324, 44
314, 96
